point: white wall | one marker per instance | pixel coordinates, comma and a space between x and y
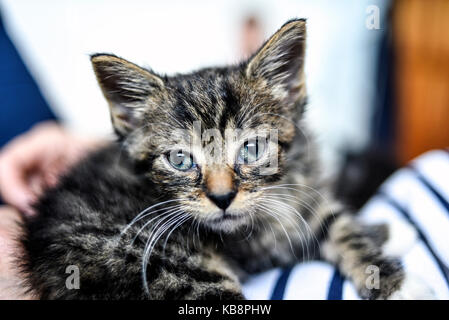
55, 37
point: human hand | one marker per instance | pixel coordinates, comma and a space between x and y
34, 160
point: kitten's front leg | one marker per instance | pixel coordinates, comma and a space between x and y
357, 251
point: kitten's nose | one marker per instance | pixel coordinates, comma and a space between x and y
222, 200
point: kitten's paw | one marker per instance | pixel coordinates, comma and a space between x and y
402, 236
413, 288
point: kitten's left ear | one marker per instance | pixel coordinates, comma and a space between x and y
280, 60
127, 87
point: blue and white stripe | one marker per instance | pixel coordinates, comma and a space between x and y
418, 194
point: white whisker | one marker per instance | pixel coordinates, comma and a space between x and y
302, 238
162, 217
266, 210
288, 207
151, 242
136, 218
301, 203
184, 218
290, 186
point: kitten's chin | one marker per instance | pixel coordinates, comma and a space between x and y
228, 223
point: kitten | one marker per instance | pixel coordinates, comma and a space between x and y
213, 178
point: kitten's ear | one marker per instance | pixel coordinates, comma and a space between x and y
127, 88
280, 60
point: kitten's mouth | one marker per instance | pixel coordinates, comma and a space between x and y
227, 217
226, 220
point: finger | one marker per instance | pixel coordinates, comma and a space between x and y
51, 179
14, 188
53, 169
18, 159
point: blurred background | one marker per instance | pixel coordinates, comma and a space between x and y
377, 71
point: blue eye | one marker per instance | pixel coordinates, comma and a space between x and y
181, 160
251, 151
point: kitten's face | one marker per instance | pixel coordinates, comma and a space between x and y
216, 138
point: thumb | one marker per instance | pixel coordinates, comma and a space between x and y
14, 187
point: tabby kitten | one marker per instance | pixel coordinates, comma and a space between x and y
213, 178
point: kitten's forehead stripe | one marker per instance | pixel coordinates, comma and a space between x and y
196, 98
208, 96
218, 101
231, 107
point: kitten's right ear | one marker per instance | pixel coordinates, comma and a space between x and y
127, 88
280, 60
